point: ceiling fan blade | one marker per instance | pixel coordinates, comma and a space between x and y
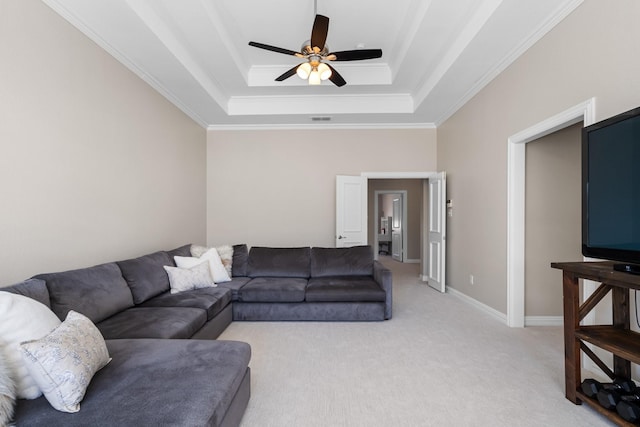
336, 78
355, 55
319, 31
274, 48
287, 74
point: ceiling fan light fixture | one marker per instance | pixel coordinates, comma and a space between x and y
315, 51
314, 77
304, 70
324, 70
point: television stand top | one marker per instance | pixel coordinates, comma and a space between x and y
627, 268
599, 271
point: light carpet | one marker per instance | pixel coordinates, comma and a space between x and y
438, 362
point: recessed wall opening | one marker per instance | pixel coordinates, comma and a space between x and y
516, 192
552, 233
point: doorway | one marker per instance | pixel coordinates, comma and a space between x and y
516, 155
394, 181
552, 226
390, 214
430, 224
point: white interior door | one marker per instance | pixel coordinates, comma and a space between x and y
396, 229
351, 211
437, 231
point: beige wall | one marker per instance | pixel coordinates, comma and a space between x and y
590, 54
553, 212
413, 187
277, 188
95, 166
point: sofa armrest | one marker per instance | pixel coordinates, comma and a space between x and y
382, 276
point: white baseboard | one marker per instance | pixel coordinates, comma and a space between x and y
411, 261
477, 304
528, 321
543, 321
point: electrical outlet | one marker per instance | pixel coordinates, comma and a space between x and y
471, 279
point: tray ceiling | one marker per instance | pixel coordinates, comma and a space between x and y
437, 54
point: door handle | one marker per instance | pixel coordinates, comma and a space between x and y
341, 237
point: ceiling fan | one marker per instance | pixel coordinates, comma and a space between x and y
316, 52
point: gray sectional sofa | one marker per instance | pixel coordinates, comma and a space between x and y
167, 367
319, 284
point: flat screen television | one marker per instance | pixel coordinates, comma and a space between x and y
611, 190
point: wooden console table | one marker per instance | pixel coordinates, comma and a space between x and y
617, 338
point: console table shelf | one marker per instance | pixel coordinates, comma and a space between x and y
617, 338
612, 415
618, 341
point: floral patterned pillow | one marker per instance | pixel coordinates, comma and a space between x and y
63, 362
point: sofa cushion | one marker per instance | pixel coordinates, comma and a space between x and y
212, 300
353, 261
146, 276
279, 262
32, 288
273, 289
154, 322
154, 383
184, 250
97, 292
234, 285
240, 259
344, 289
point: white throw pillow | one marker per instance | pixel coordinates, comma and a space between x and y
218, 272
7, 394
225, 252
22, 319
64, 362
186, 279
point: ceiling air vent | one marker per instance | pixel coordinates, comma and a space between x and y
320, 118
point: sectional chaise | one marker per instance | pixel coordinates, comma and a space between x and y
167, 367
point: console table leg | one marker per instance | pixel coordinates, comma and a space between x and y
571, 303
620, 309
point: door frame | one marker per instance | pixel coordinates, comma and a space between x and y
516, 187
405, 175
376, 212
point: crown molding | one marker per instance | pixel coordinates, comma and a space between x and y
314, 126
